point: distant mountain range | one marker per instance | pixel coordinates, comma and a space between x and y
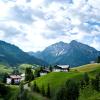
12, 55
74, 54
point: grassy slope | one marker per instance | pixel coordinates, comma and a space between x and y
57, 79
87, 68
91, 69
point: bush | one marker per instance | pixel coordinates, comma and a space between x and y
3, 89
96, 82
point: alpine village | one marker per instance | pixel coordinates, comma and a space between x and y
49, 50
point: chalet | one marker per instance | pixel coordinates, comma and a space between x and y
14, 79
61, 68
44, 72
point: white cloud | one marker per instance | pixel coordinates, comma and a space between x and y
4, 10
95, 44
34, 24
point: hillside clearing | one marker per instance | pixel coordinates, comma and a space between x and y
58, 79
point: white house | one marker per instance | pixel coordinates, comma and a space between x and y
8, 80
61, 68
43, 72
14, 78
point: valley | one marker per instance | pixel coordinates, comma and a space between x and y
56, 80
29, 76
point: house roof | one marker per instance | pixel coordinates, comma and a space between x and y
15, 76
63, 66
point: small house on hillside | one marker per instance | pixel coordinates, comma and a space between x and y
61, 68
14, 79
43, 72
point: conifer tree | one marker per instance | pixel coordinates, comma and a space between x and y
98, 59
86, 79
35, 88
72, 90
96, 82
43, 90
28, 74
69, 92
48, 94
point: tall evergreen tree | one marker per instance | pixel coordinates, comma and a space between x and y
43, 90
61, 94
72, 90
37, 73
86, 79
82, 84
48, 94
5, 77
69, 92
50, 68
98, 59
96, 82
28, 74
35, 88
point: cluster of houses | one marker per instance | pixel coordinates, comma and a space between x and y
56, 68
17, 78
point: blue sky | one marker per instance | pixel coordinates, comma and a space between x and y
35, 24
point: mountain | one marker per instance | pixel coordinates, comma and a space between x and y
74, 53
12, 55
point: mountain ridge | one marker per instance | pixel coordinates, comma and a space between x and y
73, 53
13, 55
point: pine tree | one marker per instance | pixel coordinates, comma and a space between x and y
96, 82
5, 77
37, 73
48, 94
86, 79
72, 90
82, 84
43, 90
28, 74
98, 59
35, 88
69, 92
50, 68
61, 94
